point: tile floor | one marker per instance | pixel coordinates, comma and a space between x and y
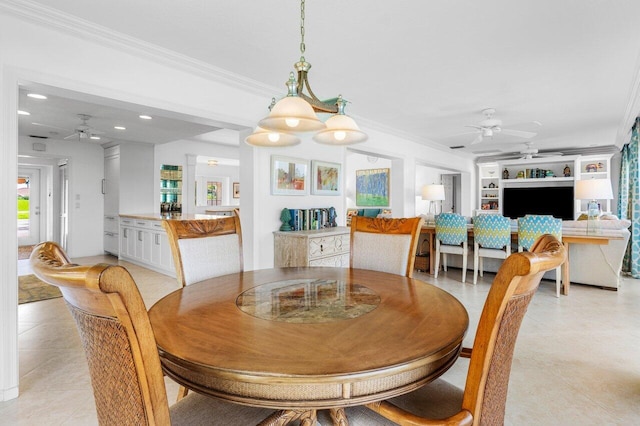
576, 361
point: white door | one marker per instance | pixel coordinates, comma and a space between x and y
28, 202
63, 176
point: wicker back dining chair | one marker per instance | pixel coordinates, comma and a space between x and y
483, 399
383, 244
491, 238
451, 238
124, 365
205, 248
531, 226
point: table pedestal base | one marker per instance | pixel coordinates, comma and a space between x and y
306, 417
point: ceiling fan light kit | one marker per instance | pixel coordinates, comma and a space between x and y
296, 113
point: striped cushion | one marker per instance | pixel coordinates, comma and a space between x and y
492, 231
451, 229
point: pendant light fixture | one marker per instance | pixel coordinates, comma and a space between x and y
296, 113
264, 137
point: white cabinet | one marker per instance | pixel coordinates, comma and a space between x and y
322, 247
128, 186
111, 191
111, 234
145, 242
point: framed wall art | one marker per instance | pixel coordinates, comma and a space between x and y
325, 178
372, 187
289, 176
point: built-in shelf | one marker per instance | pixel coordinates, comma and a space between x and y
564, 170
531, 180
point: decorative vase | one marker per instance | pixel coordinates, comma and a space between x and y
505, 173
285, 218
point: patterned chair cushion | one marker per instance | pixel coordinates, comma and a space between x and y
492, 231
451, 229
531, 227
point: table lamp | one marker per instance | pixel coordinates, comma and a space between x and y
593, 190
432, 193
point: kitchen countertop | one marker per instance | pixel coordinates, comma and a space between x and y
179, 216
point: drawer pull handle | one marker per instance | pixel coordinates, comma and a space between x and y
321, 247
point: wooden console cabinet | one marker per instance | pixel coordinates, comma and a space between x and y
322, 247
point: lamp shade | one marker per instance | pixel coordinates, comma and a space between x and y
292, 114
264, 137
341, 130
594, 189
433, 192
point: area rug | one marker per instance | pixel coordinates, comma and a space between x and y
31, 289
24, 252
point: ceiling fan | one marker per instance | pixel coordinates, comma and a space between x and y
84, 131
490, 126
528, 153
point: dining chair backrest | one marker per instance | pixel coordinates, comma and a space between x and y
116, 334
451, 229
492, 231
530, 227
383, 244
485, 393
205, 248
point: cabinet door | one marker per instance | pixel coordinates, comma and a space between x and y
111, 242
111, 184
161, 251
127, 242
143, 245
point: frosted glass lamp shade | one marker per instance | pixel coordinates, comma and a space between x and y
433, 192
594, 189
292, 114
264, 137
341, 130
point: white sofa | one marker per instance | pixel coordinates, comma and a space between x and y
595, 264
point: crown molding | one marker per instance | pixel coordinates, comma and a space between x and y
54, 19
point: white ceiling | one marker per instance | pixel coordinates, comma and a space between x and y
423, 68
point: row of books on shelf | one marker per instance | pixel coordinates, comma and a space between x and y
308, 219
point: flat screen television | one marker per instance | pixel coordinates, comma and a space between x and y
550, 200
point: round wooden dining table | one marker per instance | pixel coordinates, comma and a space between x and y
302, 339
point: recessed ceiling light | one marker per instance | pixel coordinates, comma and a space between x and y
119, 127
20, 112
146, 117
212, 162
95, 138
36, 96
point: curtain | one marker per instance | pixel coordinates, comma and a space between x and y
629, 200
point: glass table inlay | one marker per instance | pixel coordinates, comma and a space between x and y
308, 301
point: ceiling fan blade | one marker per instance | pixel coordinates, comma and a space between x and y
549, 154
477, 140
71, 136
518, 133
53, 127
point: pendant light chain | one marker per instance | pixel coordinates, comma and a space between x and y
296, 112
302, 45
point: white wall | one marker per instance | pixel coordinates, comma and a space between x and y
34, 48
86, 170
